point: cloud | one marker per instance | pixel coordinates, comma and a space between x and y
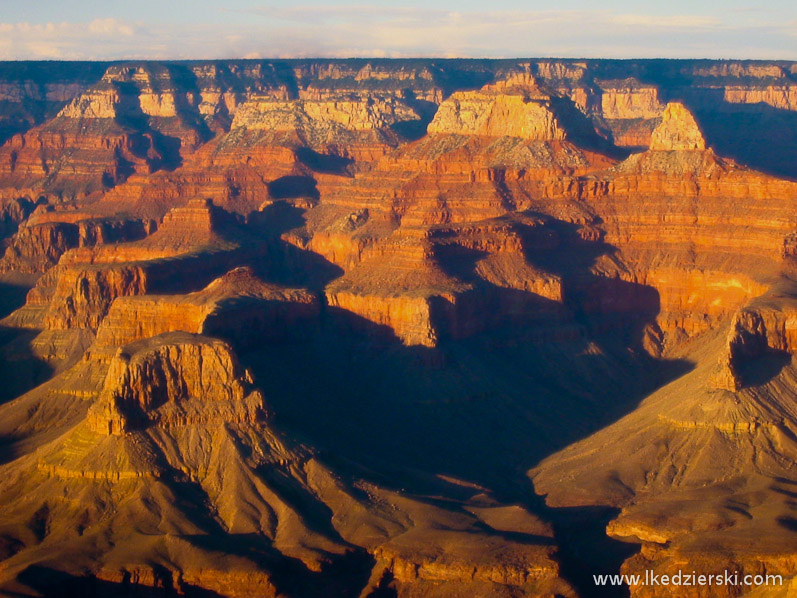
108, 27
354, 12
672, 21
68, 40
409, 31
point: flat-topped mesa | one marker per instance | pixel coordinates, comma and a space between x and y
420, 283
171, 378
237, 306
358, 126
678, 131
520, 112
184, 229
352, 113
630, 99
88, 279
197, 217
47, 234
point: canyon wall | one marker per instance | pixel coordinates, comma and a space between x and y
376, 327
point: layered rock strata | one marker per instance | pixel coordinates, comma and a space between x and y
625, 320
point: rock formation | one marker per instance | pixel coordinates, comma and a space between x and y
158, 379
677, 131
497, 115
395, 328
237, 306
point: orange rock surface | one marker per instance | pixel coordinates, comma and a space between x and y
415, 328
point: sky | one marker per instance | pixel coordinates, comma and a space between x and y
202, 29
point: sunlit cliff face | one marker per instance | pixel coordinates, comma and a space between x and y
415, 328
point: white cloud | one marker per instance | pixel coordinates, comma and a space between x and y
68, 40
108, 27
353, 30
672, 21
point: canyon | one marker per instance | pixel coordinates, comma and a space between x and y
397, 328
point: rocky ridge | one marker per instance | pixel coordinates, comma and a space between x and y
299, 325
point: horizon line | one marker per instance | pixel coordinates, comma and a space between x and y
392, 59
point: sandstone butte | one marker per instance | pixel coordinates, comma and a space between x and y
411, 328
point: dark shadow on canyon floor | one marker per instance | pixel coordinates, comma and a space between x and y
759, 370
20, 368
12, 296
51, 583
586, 551
484, 408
